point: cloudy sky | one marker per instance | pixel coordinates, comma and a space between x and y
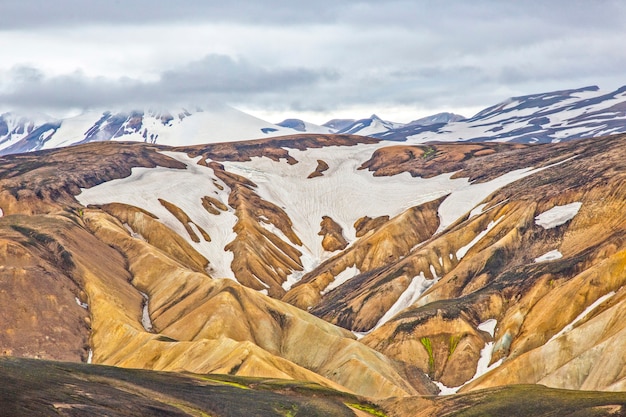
315, 60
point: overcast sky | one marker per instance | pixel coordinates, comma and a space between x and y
315, 60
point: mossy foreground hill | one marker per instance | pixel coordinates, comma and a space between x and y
377, 270
43, 388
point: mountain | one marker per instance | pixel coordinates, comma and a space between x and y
338, 124
436, 119
538, 118
171, 127
302, 126
388, 271
371, 126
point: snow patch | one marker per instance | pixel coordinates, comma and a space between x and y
483, 362
488, 326
80, 303
133, 233
145, 315
90, 356
477, 210
433, 272
308, 263
481, 369
557, 215
549, 256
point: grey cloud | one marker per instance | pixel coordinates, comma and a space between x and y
215, 77
20, 14
224, 75
332, 54
409, 13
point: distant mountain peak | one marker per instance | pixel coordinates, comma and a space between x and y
552, 116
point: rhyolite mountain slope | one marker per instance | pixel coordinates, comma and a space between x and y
376, 268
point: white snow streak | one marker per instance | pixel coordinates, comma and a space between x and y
463, 251
145, 316
549, 256
582, 315
341, 278
133, 233
477, 210
482, 367
557, 215
416, 288
80, 303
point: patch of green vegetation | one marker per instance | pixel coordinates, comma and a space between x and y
431, 358
230, 383
288, 410
429, 152
453, 343
187, 410
368, 408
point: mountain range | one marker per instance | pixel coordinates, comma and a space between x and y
538, 118
319, 273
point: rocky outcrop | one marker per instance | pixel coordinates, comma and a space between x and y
332, 233
365, 224
319, 170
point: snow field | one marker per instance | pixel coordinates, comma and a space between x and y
185, 189
344, 193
